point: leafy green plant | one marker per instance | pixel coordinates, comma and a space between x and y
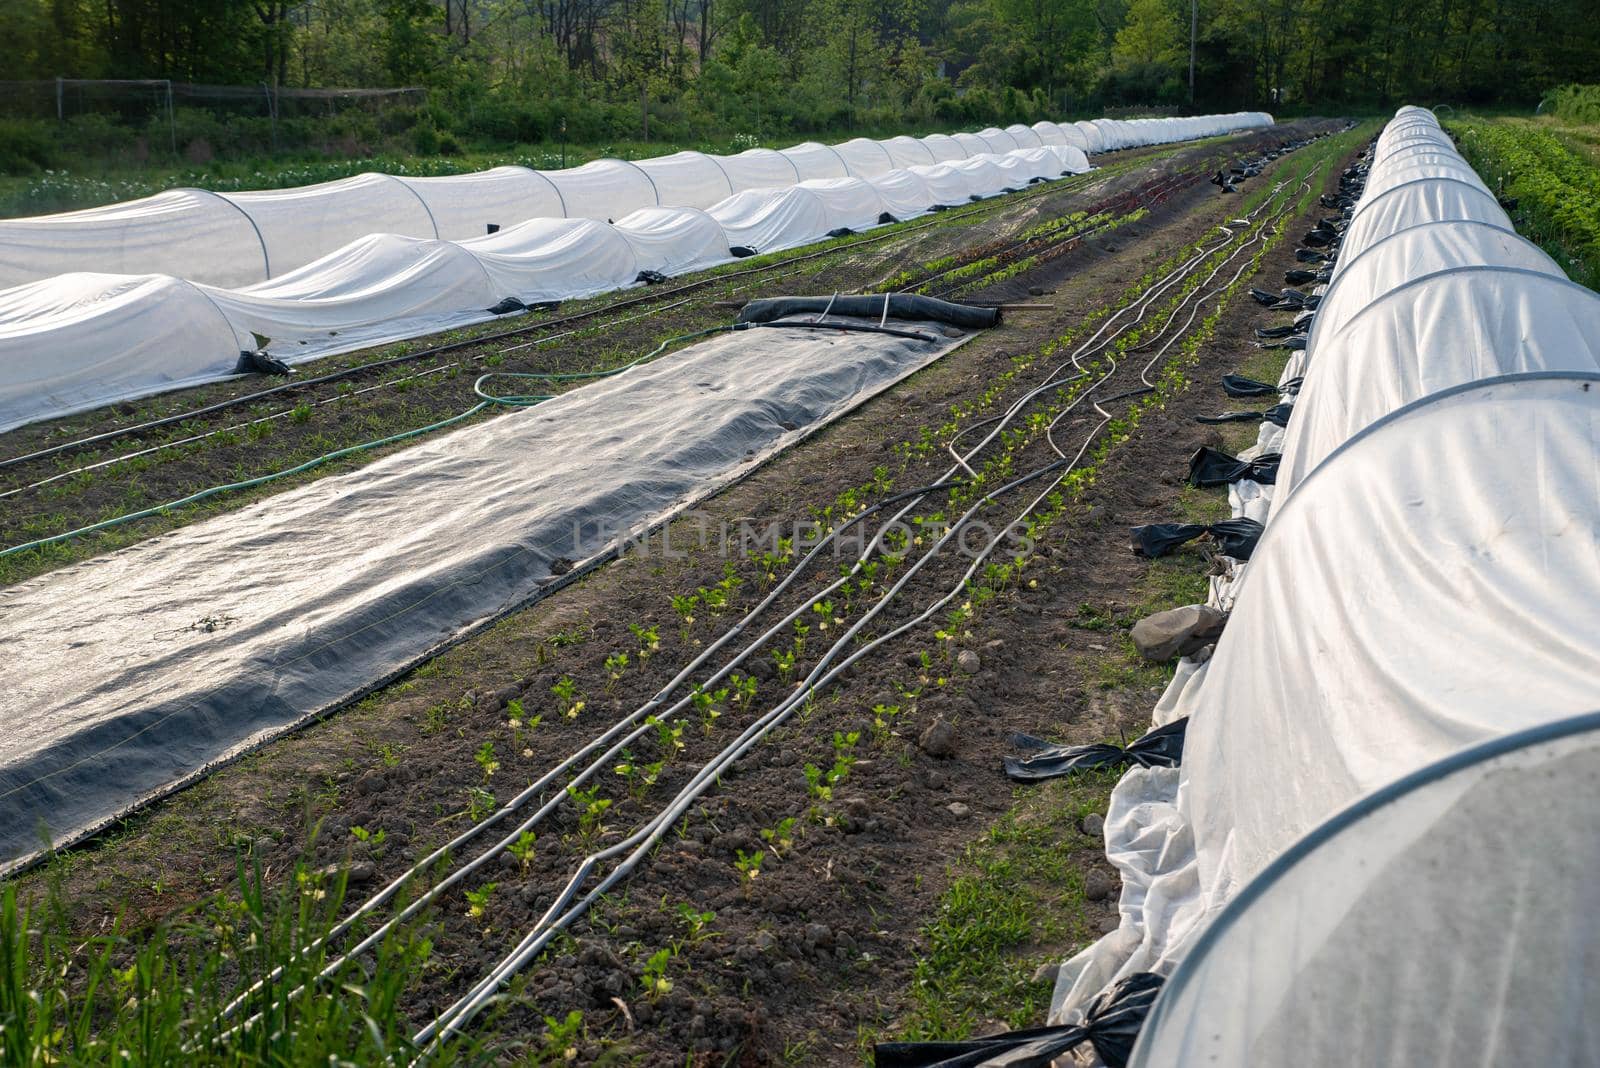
616, 664
780, 838
639, 777
480, 803
649, 640
566, 693
486, 761
669, 736
478, 900
696, 923
748, 865
591, 809
522, 848
654, 980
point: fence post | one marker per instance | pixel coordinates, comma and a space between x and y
172, 119
61, 99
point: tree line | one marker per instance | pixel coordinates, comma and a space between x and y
520, 69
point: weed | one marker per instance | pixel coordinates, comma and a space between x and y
696, 923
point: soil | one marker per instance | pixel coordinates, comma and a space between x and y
821, 946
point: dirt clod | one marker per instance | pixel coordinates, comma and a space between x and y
939, 740
1098, 886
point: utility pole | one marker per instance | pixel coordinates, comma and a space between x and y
1194, 24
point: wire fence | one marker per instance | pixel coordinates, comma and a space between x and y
154, 104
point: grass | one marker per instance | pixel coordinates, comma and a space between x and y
1015, 901
158, 996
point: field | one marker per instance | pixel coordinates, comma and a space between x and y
866, 871
1547, 171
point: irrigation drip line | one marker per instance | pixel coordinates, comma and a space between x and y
457, 1015
564, 910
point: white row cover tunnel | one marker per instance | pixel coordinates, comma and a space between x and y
80, 340
410, 256
236, 239
1378, 848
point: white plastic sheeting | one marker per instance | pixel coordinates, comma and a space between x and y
83, 340
233, 239
1428, 581
1521, 974
467, 205
674, 240
330, 588
463, 245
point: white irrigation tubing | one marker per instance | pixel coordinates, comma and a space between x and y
656, 702
563, 912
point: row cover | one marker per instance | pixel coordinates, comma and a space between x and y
1376, 849
78, 341
133, 673
235, 239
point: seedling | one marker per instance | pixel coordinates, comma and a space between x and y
825, 614
522, 848
784, 658
801, 629
478, 900
517, 722
883, 718
749, 866
821, 783
649, 640
563, 1035
697, 923
480, 803
639, 777
370, 838
486, 760
654, 980
566, 693
616, 664
744, 689
591, 807
685, 606
706, 705
669, 736
781, 837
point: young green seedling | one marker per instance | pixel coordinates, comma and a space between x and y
697, 923
478, 900
486, 760
781, 837
566, 692
654, 980
480, 803
591, 807
749, 866
522, 848
649, 640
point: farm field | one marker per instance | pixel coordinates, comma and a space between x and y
865, 872
1548, 170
